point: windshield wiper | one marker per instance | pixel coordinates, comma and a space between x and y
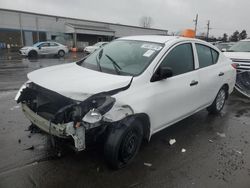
98, 57
116, 66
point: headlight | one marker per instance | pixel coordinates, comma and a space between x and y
93, 116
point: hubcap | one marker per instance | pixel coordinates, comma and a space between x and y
220, 99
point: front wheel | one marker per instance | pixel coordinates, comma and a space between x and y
219, 102
123, 144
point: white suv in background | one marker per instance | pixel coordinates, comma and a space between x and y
44, 48
127, 91
240, 53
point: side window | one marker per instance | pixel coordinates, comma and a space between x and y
206, 55
44, 45
180, 59
215, 55
53, 44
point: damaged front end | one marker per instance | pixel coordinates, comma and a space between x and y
60, 116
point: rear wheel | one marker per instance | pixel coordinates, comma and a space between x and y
123, 144
61, 53
219, 102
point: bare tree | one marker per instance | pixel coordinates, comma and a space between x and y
146, 21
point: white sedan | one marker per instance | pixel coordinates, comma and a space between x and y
96, 46
127, 91
44, 48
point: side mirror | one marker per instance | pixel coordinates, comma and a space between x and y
223, 49
161, 73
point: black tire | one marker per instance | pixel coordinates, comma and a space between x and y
123, 144
61, 53
32, 54
219, 102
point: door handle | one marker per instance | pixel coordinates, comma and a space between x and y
193, 83
221, 74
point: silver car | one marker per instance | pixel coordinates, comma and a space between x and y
44, 48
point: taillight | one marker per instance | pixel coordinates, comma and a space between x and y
235, 65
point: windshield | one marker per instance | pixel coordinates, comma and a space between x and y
123, 57
37, 44
241, 46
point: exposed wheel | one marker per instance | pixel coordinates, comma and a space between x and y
123, 144
219, 102
32, 54
61, 53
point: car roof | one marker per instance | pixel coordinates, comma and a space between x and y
157, 38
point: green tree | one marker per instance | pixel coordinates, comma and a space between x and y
235, 37
243, 35
225, 37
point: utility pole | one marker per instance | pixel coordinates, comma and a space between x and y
37, 30
195, 23
208, 28
21, 30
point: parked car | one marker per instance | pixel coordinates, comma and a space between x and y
240, 54
96, 46
44, 48
127, 91
224, 46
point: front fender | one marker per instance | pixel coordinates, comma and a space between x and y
117, 113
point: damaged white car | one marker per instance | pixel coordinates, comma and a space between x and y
127, 91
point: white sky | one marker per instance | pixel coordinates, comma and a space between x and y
173, 15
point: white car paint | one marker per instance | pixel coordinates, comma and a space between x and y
91, 49
52, 49
81, 80
165, 102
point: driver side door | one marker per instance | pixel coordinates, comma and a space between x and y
44, 48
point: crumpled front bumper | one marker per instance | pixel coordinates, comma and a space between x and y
59, 130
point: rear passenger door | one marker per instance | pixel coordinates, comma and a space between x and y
54, 48
210, 73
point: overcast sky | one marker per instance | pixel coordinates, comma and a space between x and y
173, 15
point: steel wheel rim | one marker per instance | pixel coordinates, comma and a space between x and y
129, 146
220, 99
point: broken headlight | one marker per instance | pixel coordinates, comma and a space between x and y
25, 85
93, 116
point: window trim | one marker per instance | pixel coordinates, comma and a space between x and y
169, 50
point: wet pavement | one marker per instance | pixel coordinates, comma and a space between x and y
217, 147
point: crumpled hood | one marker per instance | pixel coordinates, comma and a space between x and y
238, 55
76, 82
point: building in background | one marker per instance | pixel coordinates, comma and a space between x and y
24, 28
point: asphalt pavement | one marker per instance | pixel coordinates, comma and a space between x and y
210, 151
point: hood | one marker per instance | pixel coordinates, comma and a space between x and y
76, 82
28, 47
91, 47
238, 55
